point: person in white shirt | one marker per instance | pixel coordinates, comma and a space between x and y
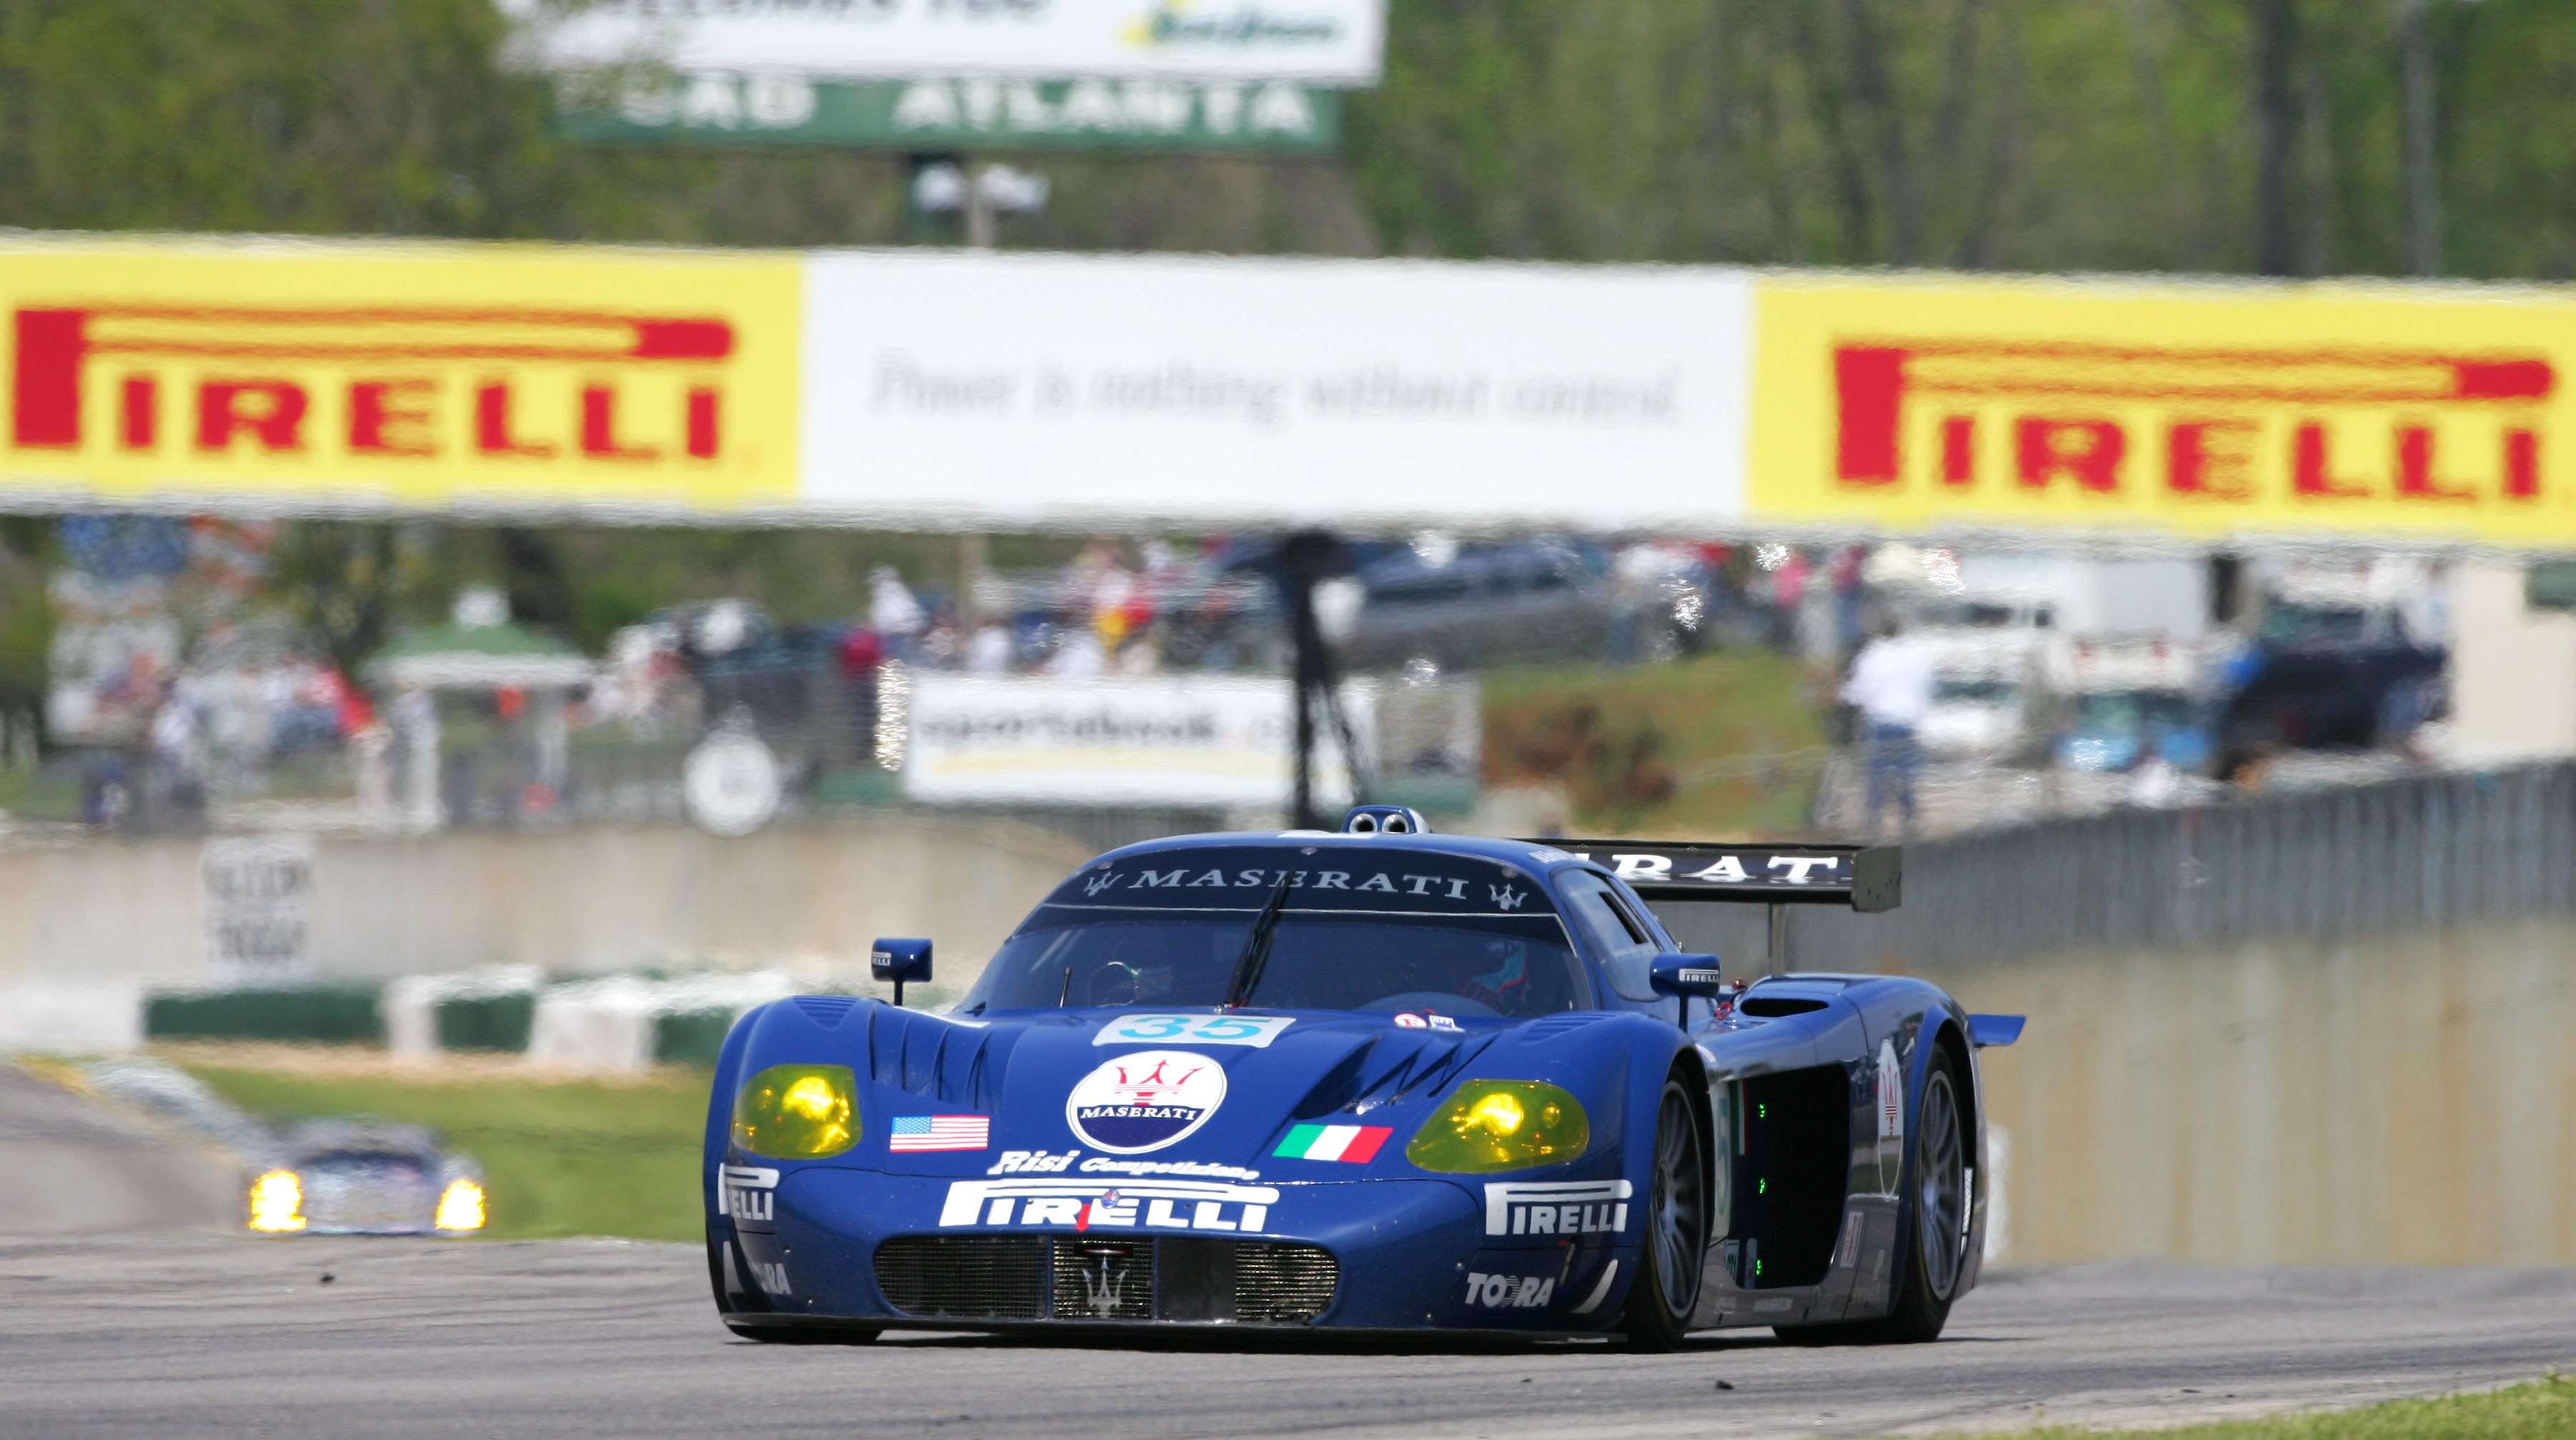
1891, 686
893, 612
989, 652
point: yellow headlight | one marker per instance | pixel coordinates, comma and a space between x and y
798, 1112
277, 1202
1501, 1125
460, 1206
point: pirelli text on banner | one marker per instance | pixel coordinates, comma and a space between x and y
2201, 410
394, 375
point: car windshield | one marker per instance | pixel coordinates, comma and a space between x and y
2289, 623
1977, 690
2128, 710
1379, 930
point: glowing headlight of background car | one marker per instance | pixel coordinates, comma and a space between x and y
277, 1202
1501, 1125
460, 1206
798, 1112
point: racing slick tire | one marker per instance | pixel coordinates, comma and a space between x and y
1666, 1290
1934, 1224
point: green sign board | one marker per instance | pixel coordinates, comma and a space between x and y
717, 108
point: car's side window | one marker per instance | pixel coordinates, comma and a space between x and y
1627, 950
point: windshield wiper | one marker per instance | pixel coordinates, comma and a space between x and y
1256, 946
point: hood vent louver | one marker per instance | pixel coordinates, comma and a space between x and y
1389, 1068
1549, 1027
933, 1058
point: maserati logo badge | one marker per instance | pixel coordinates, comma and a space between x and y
1100, 1289
1890, 1108
1144, 1101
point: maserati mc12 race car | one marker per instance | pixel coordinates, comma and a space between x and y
1378, 1080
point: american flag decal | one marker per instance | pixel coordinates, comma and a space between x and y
939, 1132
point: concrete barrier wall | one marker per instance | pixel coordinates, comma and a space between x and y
107, 913
2407, 1098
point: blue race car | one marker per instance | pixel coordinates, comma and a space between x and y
1374, 1081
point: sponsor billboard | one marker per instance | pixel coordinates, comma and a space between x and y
943, 389
1327, 42
943, 113
2199, 411
1016, 390
301, 376
1152, 740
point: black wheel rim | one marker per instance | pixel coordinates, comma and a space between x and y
1676, 1211
1941, 1177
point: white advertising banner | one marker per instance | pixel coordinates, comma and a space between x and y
1159, 740
1330, 42
1039, 390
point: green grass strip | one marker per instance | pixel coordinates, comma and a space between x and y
2545, 1410
559, 1157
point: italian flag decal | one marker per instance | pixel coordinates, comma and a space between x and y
1354, 1143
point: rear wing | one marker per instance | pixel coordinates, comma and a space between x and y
1864, 877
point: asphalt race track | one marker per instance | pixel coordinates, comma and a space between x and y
207, 1335
123, 1313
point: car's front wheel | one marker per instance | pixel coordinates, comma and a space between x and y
1666, 1289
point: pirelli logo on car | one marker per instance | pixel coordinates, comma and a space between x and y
747, 1192
1127, 1205
1557, 1207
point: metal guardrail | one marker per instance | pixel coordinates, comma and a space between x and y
2421, 852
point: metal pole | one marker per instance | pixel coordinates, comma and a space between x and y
1304, 559
973, 558
1777, 962
979, 212
2423, 164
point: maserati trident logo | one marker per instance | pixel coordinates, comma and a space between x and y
1100, 1289
1144, 1101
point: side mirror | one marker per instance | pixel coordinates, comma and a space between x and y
1685, 975
899, 961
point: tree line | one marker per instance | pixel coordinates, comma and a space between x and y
2286, 137
2293, 137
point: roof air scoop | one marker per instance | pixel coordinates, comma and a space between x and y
1384, 820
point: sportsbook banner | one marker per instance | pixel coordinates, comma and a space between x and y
310, 376
1156, 740
2201, 411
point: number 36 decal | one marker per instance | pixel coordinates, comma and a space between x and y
1254, 1030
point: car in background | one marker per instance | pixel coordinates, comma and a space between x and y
1980, 712
2330, 668
1474, 604
2126, 703
364, 1177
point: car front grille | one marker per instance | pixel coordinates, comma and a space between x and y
1096, 1279
981, 1277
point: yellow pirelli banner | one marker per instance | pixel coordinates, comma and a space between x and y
2130, 409
314, 375
929, 388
